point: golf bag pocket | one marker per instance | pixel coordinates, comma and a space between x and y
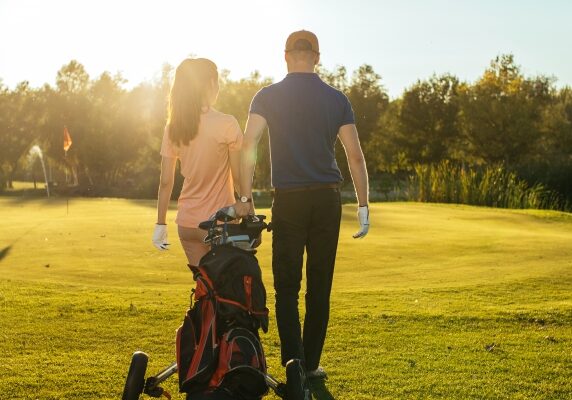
237, 279
241, 365
197, 350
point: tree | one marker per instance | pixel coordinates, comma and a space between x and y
21, 116
501, 112
5, 112
68, 105
428, 130
235, 96
368, 98
146, 110
504, 117
557, 128
109, 145
72, 78
551, 161
385, 149
336, 78
234, 99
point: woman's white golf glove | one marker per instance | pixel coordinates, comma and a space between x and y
363, 219
160, 237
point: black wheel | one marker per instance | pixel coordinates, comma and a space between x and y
296, 384
135, 382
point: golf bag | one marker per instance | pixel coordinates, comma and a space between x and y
218, 344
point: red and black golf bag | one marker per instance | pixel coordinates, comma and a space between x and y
218, 346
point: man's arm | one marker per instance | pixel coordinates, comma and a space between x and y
350, 140
349, 137
253, 132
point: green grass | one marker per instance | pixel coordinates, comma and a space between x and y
439, 301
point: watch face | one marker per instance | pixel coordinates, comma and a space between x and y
244, 199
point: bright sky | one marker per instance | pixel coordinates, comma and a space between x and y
403, 40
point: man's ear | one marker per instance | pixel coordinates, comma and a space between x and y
317, 59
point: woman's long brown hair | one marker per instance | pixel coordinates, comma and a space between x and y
189, 92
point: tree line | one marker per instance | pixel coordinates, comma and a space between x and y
504, 119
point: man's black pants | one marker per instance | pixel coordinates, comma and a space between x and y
310, 220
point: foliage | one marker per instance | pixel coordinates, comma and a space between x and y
369, 99
428, 119
551, 161
234, 99
504, 117
21, 120
491, 186
502, 112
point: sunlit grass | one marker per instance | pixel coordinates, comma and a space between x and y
437, 302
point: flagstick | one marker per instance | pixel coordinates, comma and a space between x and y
67, 195
67, 145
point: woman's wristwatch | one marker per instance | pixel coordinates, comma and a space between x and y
244, 199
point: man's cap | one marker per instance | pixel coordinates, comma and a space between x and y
303, 41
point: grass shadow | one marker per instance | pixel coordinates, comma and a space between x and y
4, 252
11, 199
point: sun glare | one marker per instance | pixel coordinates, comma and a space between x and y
137, 38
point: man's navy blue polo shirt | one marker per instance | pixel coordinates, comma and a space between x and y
304, 115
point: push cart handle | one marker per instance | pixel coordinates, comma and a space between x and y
152, 383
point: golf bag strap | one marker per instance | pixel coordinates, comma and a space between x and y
204, 287
242, 307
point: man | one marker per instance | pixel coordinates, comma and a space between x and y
305, 116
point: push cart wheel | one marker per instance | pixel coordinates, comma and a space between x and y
296, 384
135, 382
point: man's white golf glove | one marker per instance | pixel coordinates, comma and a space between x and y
363, 219
160, 237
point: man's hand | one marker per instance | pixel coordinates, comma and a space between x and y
257, 241
242, 209
160, 237
363, 219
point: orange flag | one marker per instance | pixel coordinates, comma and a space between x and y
67, 139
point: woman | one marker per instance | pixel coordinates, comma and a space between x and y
207, 143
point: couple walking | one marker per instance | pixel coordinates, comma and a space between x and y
305, 117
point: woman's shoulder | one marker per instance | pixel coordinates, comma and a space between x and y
226, 119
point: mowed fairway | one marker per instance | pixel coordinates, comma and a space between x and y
439, 301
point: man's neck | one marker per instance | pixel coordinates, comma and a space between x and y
300, 69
